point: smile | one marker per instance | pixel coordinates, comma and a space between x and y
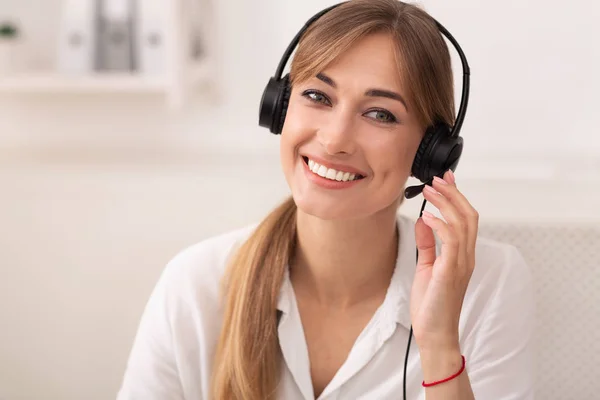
330, 173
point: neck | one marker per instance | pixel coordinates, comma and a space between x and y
340, 263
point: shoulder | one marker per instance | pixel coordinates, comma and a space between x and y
500, 264
179, 328
188, 290
498, 315
189, 287
495, 261
211, 253
501, 282
202, 265
189, 293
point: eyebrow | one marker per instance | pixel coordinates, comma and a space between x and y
370, 92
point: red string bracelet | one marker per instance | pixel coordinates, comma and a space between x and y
448, 378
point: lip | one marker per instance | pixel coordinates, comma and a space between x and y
337, 167
324, 182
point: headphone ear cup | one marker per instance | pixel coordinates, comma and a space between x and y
438, 152
273, 105
286, 92
419, 161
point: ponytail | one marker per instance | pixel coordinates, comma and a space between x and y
248, 356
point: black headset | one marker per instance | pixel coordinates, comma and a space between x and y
439, 150
441, 146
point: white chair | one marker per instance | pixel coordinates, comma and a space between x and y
565, 260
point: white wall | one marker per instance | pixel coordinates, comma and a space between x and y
534, 83
98, 192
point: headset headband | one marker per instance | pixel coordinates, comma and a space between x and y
464, 99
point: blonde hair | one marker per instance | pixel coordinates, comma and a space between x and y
248, 357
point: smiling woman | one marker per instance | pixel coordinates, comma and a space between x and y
320, 300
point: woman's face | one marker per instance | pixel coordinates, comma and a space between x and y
350, 138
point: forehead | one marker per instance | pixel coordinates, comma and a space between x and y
371, 61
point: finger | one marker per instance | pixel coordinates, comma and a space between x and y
469, 213
426, 258
443, 200
450, 241
465, 207
453, 218
425, 244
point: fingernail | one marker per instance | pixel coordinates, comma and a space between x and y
451, 177
427, 214
430, 189
440, 180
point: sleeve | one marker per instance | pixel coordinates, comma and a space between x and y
502, 363
151, 372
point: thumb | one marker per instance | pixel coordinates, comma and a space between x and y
425, 241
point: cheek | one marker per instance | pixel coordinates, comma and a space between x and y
295, 119
293, 135
296, 129
391, 159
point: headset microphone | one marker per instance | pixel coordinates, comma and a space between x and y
414, 191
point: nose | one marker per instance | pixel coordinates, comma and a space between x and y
336, 136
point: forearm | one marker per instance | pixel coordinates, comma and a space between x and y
440, 364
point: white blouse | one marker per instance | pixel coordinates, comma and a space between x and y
175, 343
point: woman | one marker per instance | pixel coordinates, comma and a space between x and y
318, 300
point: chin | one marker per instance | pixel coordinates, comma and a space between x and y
327, 209
331, 206
354, 209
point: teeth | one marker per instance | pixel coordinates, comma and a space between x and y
322, 171
330, 173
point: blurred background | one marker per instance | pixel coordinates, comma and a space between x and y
130, 131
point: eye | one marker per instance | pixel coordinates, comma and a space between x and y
382, 116
316, 97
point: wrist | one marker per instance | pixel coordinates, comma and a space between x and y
442, 341
440, 363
